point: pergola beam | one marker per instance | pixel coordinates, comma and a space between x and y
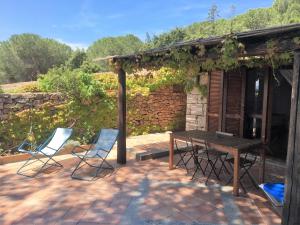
121, 151
291, 210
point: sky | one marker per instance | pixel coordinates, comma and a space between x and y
79, 23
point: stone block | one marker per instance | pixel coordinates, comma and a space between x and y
15, 96
37, 102
201, 121
1, 105
196, 109
54, 97
195, 91
192, 99
191, 118
201, 99
7, 106
204, 108
8, 100
22, 100
190, 126
188, 109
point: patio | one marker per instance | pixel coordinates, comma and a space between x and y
140, 192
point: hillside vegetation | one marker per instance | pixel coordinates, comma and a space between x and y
23, 57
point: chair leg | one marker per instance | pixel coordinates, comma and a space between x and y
98, 169
56, 163
77, 167
184, 162
252, 179
34, 159
223, 165
42, 167
246, 171
198, 167
26, 164
194, 174
212, 164
180, 160
242, 186
109, 165
229, 181
101, 166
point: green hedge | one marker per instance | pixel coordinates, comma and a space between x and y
91, 105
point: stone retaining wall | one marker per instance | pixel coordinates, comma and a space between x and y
165, 108
196, 107
12, 103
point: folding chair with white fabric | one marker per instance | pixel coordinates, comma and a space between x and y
100, 150
50, 148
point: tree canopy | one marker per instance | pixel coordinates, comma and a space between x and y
282, 12
110, 46
24, 56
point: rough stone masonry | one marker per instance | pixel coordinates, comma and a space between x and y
12, 103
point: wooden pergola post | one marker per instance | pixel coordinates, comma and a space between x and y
121, 152
291, 209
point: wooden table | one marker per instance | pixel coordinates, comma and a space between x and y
232, 145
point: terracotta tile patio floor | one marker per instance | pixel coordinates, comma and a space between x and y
144, 192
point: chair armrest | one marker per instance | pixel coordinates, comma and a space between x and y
26, 144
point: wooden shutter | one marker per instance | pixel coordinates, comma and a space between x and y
214, 107
233, 101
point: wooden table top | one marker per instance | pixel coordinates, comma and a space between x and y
214, 138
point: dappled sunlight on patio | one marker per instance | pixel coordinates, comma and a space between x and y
144, 192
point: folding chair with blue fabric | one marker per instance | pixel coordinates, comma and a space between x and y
99, 149
275, 193
50, 148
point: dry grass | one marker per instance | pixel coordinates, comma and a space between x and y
8, 88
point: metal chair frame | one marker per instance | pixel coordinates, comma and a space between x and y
211, 160
37, 151
84, 157
212, 156
187, 152
245, 164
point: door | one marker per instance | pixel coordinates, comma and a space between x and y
215, 95
258, 104
233, 101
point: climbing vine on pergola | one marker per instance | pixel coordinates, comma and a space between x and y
227, 54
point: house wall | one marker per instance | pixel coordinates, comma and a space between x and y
196, 107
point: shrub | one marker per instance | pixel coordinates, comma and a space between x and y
92, 105
76, 60
90, 67
75, 84
86, 121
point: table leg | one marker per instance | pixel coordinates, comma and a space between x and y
236, 173
171, 152
262, 164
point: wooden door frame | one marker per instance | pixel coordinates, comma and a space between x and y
266, 119
291, 206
